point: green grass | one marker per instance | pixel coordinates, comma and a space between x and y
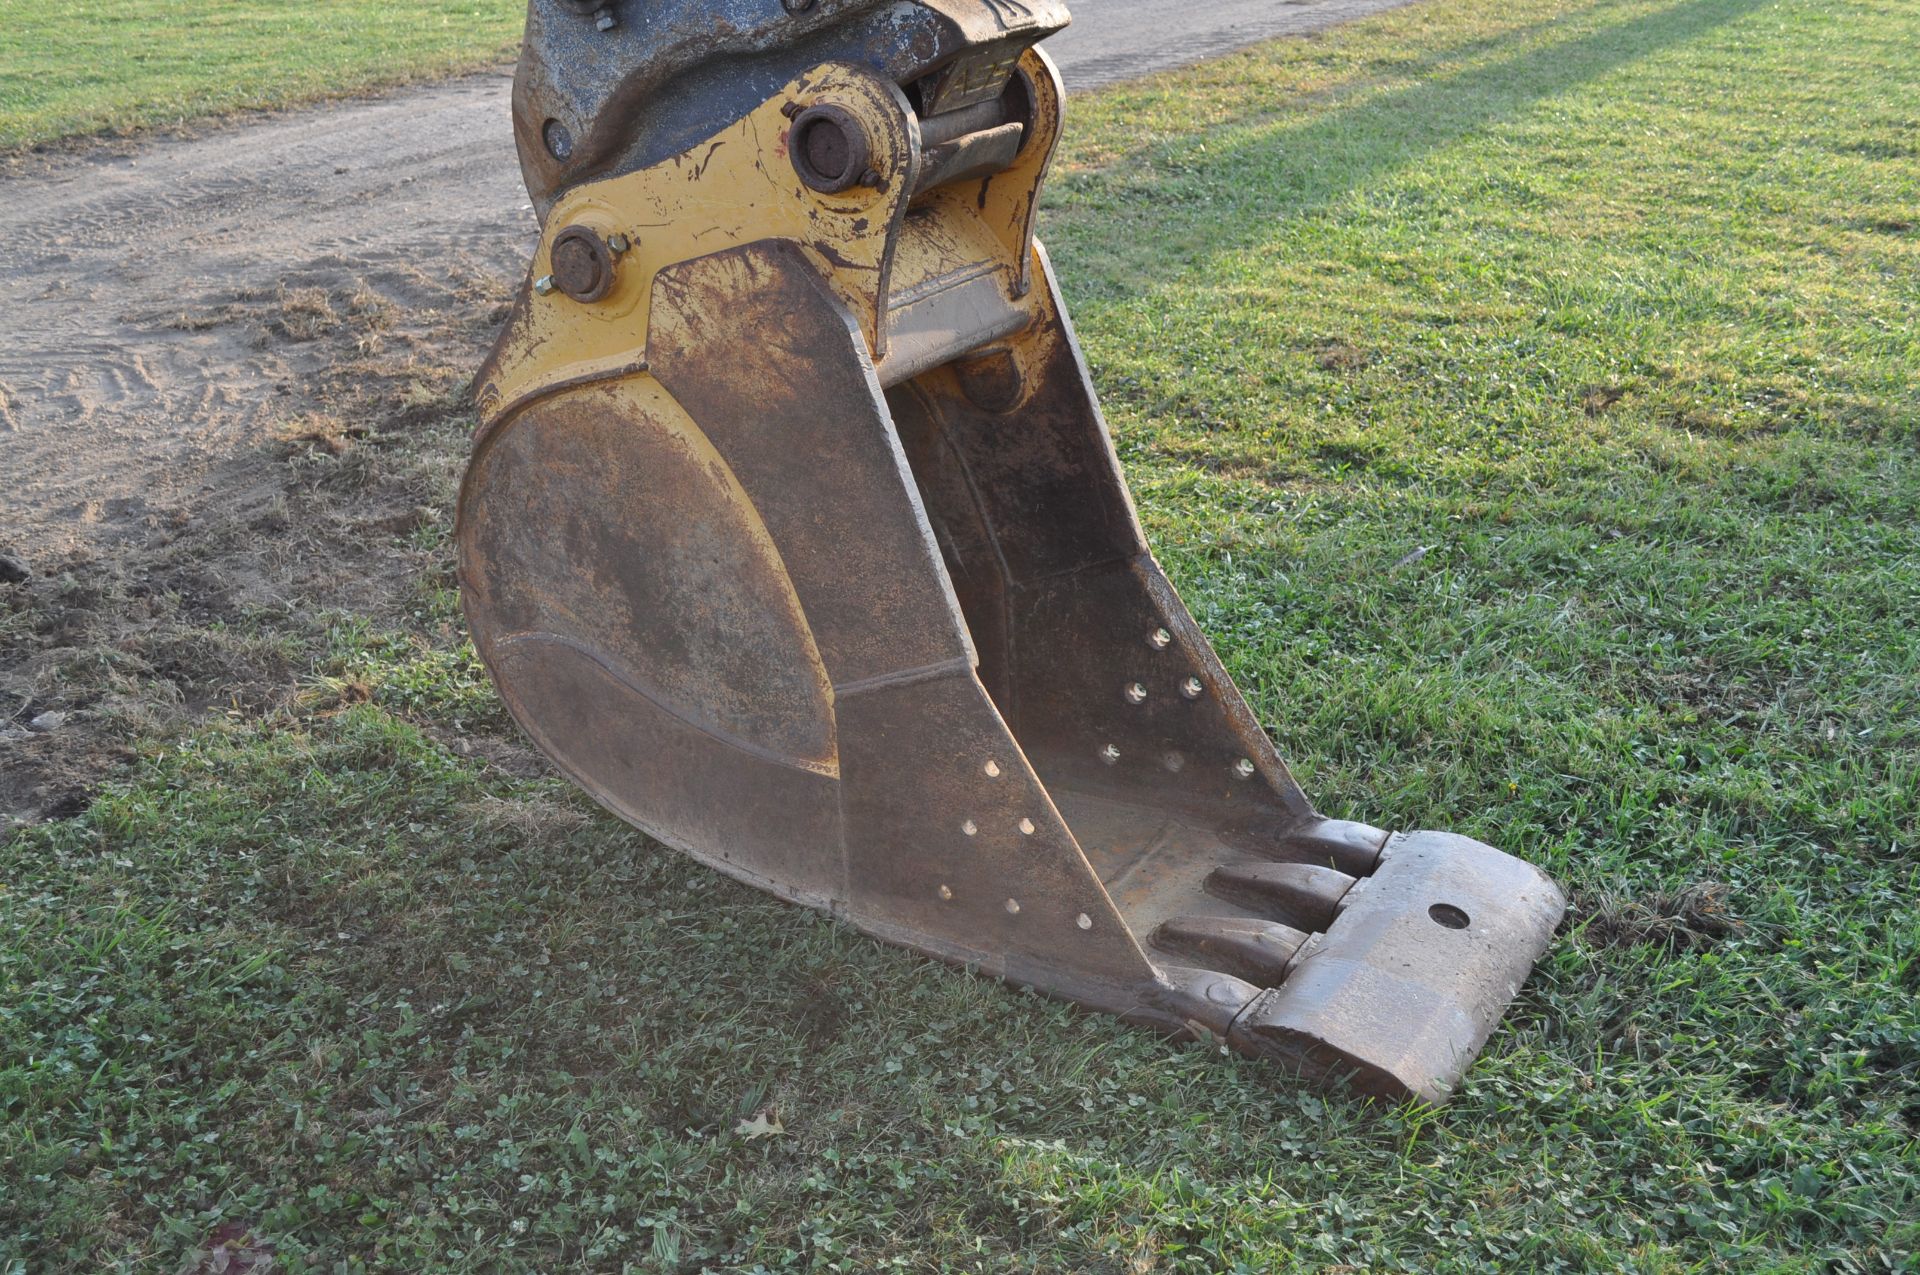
94, 66
1610, 309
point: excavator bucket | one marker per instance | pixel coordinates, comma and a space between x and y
793, 534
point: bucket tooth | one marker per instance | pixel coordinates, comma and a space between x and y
1305, 895
1257, 951
1204, 1002
794, 535
1354, 848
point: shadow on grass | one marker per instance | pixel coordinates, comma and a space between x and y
1216, 209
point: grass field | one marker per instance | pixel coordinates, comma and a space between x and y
93, 66
1524, 394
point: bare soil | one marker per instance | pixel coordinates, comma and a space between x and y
233, 370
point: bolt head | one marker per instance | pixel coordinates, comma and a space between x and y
1244, 768
583, 265
1136, 693
1191, 688
1159, 639
830, 149
544, 285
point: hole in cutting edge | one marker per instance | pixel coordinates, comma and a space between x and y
1450, 916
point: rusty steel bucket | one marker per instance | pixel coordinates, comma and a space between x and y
794, 535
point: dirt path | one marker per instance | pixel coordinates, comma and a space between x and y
126, 380
232, 371
1113, 40
163, 304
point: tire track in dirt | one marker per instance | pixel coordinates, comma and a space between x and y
125, 365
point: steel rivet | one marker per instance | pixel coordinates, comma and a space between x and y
1174, 762
1109, 754
1136, 693
544, 285
1191, 688
1159, 639
1244, 768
